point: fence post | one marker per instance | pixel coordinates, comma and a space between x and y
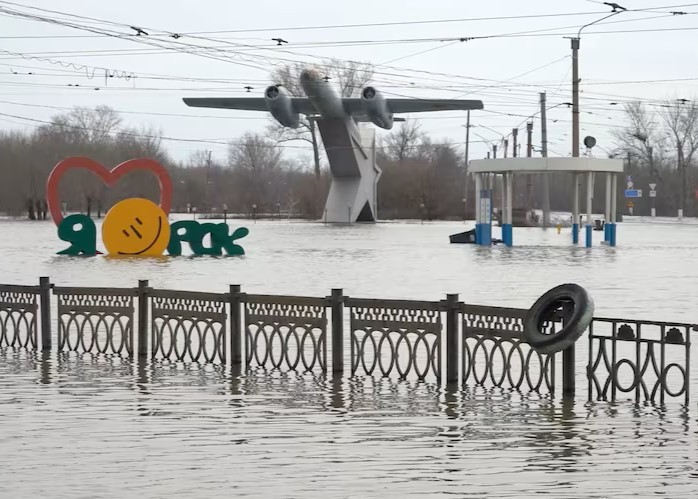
45, 312
235, 325
337, 302
451, 338
568, 359
143, 318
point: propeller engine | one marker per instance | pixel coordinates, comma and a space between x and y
377, 108
280, 105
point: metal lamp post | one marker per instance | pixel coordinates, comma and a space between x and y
617, 9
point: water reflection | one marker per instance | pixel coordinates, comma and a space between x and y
75, 416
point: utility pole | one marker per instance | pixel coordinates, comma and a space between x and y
682, 177
617, 9
653, 200
575, 97
506, 147
494, 151
544, 153
206, 189
465, 166
628, 169
529, 153
514, 134
467, 139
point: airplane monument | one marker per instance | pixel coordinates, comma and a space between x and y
351, 151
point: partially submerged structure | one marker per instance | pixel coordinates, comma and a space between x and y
487, 171
351, 153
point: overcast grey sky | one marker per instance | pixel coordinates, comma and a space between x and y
506, 73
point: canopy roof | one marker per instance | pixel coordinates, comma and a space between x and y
539, 165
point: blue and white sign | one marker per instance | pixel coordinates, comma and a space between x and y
633, 193
485, 210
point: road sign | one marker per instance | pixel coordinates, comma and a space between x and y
653, 187
629, 184
653, 194
633, 193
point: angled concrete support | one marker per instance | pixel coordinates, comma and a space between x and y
351, 151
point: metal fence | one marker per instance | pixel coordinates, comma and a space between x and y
286, 332
18, 316
646, 360
188, 326
395, 336
496, 352
397, 339
95, 320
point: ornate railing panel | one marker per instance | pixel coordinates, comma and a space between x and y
286, 331
646, 360
188, 326
18, 314
398, 336
95, 320
495, 352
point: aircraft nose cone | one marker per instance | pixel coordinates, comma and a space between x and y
309, 75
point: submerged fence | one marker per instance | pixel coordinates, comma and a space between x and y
441, 341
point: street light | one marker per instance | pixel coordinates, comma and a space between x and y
617, 9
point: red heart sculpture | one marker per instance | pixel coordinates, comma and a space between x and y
109, 177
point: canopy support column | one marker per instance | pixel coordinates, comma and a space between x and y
607, 215
614, 209
507, 218
575, 210
590, 197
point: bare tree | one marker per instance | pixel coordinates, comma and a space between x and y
401, 144
643, 137
253, 152
351, 76
86, 125
681, 118
255, 160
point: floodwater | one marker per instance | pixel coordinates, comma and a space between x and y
86, 427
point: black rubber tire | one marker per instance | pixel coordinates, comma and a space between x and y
582, 314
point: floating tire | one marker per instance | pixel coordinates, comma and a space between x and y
569, 295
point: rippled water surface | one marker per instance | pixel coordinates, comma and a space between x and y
85, 427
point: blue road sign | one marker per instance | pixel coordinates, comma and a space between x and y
633, 193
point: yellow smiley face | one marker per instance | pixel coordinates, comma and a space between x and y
135, 226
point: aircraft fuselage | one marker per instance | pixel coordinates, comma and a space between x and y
321, 95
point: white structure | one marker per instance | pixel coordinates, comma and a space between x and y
353, 193
580, 169
351, 152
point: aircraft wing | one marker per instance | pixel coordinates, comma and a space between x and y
300, 104
363, 117
356, 106
399, 106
